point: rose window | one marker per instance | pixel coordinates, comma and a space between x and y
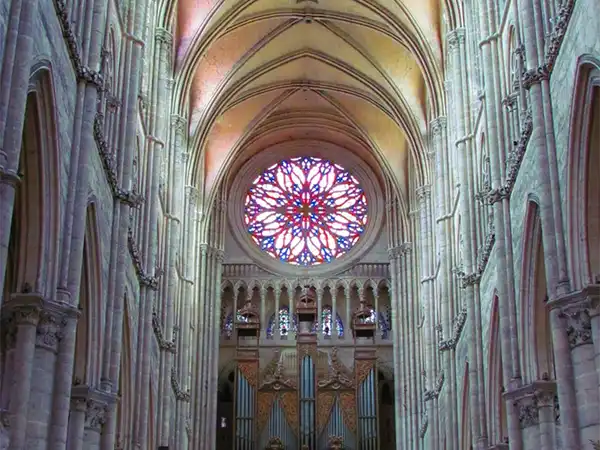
306, 211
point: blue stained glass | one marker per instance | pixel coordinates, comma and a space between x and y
326, 322
284, 322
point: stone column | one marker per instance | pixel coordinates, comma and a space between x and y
444, 203
174, 213
400, 415
263, 313
334, 331
593, 293
76, 423
470, 275
14, 84
155, 151
377, 313
572, 334
429, 342
348, 298
53, 376
213, 385
319, 330
119, 257
25, 315
95, 418
63, 369
292, 332
498, 197
545, 400
277, 292
526, 410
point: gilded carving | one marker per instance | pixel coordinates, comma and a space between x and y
289, 402
325, 402
348, 405
249, 370
265, 404
363, 368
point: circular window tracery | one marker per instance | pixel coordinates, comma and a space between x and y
305, 211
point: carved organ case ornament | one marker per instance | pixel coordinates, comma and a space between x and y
303, 396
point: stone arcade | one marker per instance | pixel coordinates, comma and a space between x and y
299, 224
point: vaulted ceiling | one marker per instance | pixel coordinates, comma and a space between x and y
362, 74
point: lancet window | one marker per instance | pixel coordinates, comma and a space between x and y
327, 322
285, 323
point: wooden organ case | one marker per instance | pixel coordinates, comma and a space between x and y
305, 398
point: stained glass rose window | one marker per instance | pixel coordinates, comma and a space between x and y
306, 211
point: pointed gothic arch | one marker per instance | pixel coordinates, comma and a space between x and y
33, 246
535, 319
87, 366
496, 386
583, 188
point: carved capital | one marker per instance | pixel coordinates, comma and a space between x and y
535, 76
179, 123
455, 38
423, 192
497, 195
96, 414
220, 256
579, 325
50, 330
527, 411
437, 126
163, 36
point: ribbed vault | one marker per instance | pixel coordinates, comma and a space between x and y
361, 74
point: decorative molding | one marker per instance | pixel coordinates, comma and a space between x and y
368, 179
95, 414
579, 325
576, 309
183, 396
535, 76
424, 424
10, 177
82, 72
437, 388
131, 198
516, 155
557, 35
497, 195
163, 344
457, 327
144, 279
50, 328
455, 37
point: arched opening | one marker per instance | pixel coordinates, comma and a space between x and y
225, 410
466, 427
387, 413
593, 185
536, 328
584, 187
124, 410
32, 255
496, 386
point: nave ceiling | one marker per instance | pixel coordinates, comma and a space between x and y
364, 75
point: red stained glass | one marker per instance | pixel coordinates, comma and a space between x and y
306, 211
